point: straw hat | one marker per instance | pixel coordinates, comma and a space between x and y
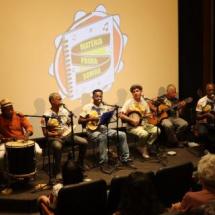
5, 103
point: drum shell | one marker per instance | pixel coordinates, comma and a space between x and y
21, 161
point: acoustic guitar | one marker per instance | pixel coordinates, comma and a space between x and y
162, 112
93, 125
209, 108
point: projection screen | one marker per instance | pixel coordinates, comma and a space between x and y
73, 47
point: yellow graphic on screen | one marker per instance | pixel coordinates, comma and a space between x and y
89, 54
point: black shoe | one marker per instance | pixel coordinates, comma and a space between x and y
84, 167
105, 168
152, 150
182, 144
129, 163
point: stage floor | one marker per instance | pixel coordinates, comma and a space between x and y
24, 194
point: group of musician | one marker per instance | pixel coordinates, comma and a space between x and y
145, 118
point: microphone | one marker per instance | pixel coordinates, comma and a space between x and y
115, 106
52, 117
70, 112
161, 97
213, 97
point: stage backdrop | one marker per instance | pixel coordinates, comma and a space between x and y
75, 46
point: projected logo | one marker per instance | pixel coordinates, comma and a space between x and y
89, 54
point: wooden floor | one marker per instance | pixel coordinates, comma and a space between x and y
24, 195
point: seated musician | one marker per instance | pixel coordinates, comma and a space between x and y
174, 126
205, 117
13, 126
59, 132
138, 125
90, 116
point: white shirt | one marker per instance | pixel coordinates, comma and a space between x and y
62, 117
203, 105
88, 108
132, 105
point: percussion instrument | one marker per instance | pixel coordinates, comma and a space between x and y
21, 160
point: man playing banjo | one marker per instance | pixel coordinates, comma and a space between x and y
135, 112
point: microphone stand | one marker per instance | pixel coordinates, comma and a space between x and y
71, 115
112, 168
159, 156
50, 182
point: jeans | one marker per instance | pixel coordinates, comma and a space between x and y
100, 136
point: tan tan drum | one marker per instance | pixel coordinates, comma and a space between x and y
21, 160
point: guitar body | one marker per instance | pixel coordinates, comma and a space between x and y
208, 108
93, 125
156, 118
163, 111
153, 119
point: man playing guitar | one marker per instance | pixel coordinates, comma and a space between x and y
99, 133
139, 126
173, 125
205, 116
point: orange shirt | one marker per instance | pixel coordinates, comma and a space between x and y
16, 127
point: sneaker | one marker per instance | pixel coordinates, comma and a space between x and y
193, 144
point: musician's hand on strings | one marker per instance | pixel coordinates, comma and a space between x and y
134, 122
93, 118
181, 104
56, 133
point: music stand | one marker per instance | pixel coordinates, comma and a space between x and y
106, 117
105, 120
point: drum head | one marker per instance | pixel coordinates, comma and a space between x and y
21, 160
19, 144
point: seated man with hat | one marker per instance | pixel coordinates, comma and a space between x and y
13, 126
